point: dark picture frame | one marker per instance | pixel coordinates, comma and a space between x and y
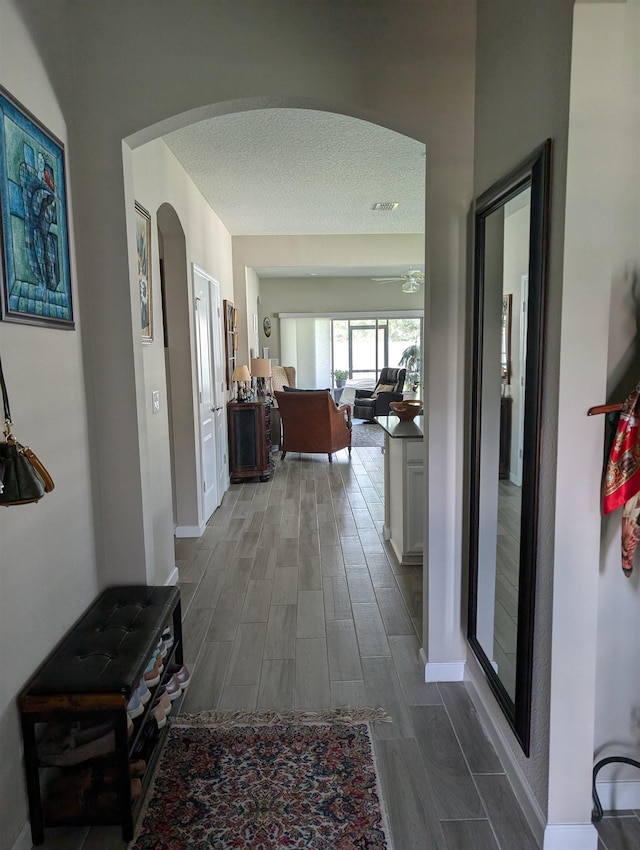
505, 340
143, 253
35, 269
230, 339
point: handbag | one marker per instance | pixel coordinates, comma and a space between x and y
23, 477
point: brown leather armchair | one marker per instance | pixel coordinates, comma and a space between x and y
312, 422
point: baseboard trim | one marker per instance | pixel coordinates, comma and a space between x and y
619, 794
443, 671
173, 578
570, 836
190, 530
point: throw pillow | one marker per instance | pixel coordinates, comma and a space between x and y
383, 388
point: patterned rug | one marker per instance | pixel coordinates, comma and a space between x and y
365, 434
225, 784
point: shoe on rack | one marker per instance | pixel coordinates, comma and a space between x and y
134, 706
152, 673
163, 702
72, 782
63, 745
158, 658
167, 638
181, 674
137, 767
172, 688
143, 692
159, 716
146, 742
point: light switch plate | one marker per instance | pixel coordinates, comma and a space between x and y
155, 401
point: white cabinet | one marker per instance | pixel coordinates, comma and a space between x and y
403, 487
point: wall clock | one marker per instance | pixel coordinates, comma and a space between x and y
266, 326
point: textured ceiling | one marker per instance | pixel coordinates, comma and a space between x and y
299, 171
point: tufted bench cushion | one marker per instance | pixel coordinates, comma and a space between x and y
107, 649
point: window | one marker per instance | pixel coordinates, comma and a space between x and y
363, 347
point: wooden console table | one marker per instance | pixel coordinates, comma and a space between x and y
250, 440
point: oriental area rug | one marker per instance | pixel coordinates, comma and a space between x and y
364, 434
267, 781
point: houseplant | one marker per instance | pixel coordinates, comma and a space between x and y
340, 377
411, 359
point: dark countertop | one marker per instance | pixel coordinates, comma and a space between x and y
397, 429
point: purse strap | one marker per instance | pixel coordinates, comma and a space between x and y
5, 404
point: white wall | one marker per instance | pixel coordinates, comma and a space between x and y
158, 179
604, 263
47, 551
522, 98
327, 295
320, 294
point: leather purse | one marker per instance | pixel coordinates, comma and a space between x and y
23, 477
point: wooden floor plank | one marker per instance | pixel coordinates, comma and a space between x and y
509, 823
469, 835
479, 753
455, 794
414, 824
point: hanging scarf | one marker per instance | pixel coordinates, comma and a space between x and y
622, 477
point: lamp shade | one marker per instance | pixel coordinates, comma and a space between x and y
241, 373
260, 368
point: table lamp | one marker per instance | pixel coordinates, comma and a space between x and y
261, 371
242, 377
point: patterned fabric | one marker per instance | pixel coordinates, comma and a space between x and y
281, 375
622, 477
265, 788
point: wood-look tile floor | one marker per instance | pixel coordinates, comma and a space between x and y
292, 600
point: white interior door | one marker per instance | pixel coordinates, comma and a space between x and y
210, 404
219, 400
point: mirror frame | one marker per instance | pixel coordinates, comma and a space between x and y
533, 172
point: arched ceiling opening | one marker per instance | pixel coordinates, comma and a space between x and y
298, 171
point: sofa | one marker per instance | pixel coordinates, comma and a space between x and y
313, 422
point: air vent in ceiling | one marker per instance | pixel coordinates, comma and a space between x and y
385, 206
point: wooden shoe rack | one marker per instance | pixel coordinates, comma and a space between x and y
89, 678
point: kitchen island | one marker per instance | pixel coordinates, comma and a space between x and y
403, 487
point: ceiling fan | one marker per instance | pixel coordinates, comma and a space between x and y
411, 280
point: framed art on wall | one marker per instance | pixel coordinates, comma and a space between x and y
143, 251
230, 339
36, 280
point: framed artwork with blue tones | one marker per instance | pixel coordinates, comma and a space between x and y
36, 281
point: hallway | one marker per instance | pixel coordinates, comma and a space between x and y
291, 601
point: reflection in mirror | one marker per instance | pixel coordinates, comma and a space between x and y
508, 299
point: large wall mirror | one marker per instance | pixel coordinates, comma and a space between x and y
511, 220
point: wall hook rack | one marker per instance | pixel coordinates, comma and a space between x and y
604, 408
